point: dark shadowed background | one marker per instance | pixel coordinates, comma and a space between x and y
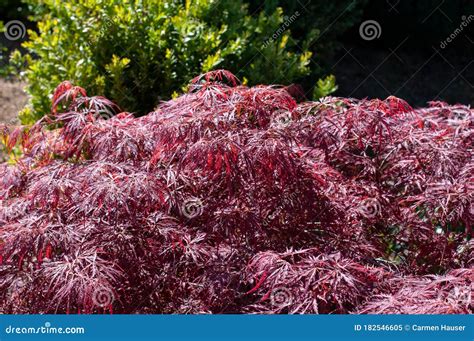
408, 59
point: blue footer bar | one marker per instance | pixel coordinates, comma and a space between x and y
237, 327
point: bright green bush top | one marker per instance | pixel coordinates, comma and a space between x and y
141, 52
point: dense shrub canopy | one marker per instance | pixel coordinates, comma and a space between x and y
140, 52
235, 199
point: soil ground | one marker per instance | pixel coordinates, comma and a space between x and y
12, 100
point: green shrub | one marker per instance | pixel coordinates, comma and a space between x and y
141, 52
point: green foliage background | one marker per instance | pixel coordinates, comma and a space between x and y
140, 52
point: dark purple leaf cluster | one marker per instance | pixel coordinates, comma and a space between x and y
230, 199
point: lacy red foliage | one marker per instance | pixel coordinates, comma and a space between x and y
232, 199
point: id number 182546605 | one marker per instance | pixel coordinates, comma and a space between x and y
378, 327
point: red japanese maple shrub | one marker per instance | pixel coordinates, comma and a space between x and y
232, 199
